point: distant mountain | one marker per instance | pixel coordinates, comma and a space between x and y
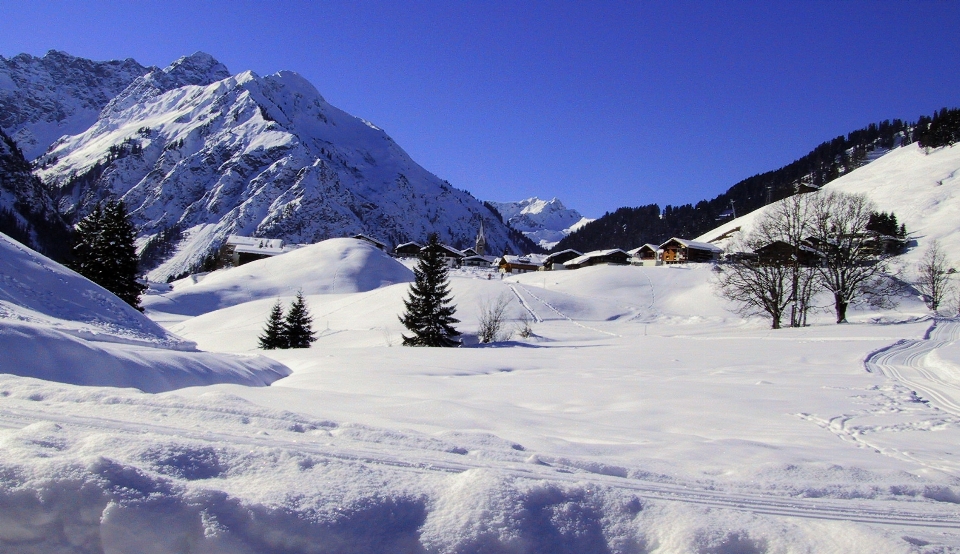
545, 222
630, 227
42, 99
27, 214
197, 154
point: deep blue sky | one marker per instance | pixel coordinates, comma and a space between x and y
615, 104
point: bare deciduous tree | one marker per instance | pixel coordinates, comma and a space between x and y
757, 288
493, 320
854, 267
933, 276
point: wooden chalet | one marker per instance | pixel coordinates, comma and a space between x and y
557, 259
519, 264
600, 257
681, 251
478, 261
782, 253
239, 250
407, 250
371, 240
648, 254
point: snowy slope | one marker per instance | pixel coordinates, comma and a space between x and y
921, 188
42, 99
251, 155
641, 416
57, 325
545, 222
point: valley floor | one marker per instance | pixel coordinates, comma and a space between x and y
641, 416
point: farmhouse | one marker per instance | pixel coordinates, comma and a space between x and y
782, 253
519, 264
477, 261
371, 240
600, 257
557, 259
645, 255
239, 250
681, 251
407, 250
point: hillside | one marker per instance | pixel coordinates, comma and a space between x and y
920, 186
629, 227
58, 326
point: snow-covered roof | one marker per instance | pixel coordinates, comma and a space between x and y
417, 244
529, 259
595, 254
637, 250
694, 244
256, 245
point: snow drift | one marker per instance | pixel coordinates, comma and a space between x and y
59, 326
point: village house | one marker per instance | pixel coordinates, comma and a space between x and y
239, 250
681, 251
645, 255
557, 259
371, 240
613, 256
779, 252
519, 264
407, 250
477, 261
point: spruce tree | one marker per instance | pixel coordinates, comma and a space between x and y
298, 322
275, 334
429, 309
104, 251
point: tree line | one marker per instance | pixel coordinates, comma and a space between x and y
629, 227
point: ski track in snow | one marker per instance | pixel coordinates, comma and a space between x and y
526, 306
882, 512
904, 361
561, 314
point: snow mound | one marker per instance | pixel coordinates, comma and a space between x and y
334, 266
59, 326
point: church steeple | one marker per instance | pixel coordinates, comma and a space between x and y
481, 245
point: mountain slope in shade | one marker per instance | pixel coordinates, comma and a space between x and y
544, 222
197, 156
42, 99
27, 213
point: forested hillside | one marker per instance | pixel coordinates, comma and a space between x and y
631, 227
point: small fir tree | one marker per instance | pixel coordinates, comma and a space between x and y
298, 323
429, 309
275, 334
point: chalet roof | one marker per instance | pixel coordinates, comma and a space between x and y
595, 254
694, 244
451, 251
417, 244
256, 245
361, 236
555, 255
528, 259
648, 246
477, 257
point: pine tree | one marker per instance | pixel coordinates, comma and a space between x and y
275, 334
429, 312
298, 322
104, 251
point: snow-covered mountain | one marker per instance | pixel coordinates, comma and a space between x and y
544, 222
198, 154
42, 99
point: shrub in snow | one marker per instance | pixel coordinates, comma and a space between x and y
492, 320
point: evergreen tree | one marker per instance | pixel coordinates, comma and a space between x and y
104, 251
298, 331
429, 312
275, 334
